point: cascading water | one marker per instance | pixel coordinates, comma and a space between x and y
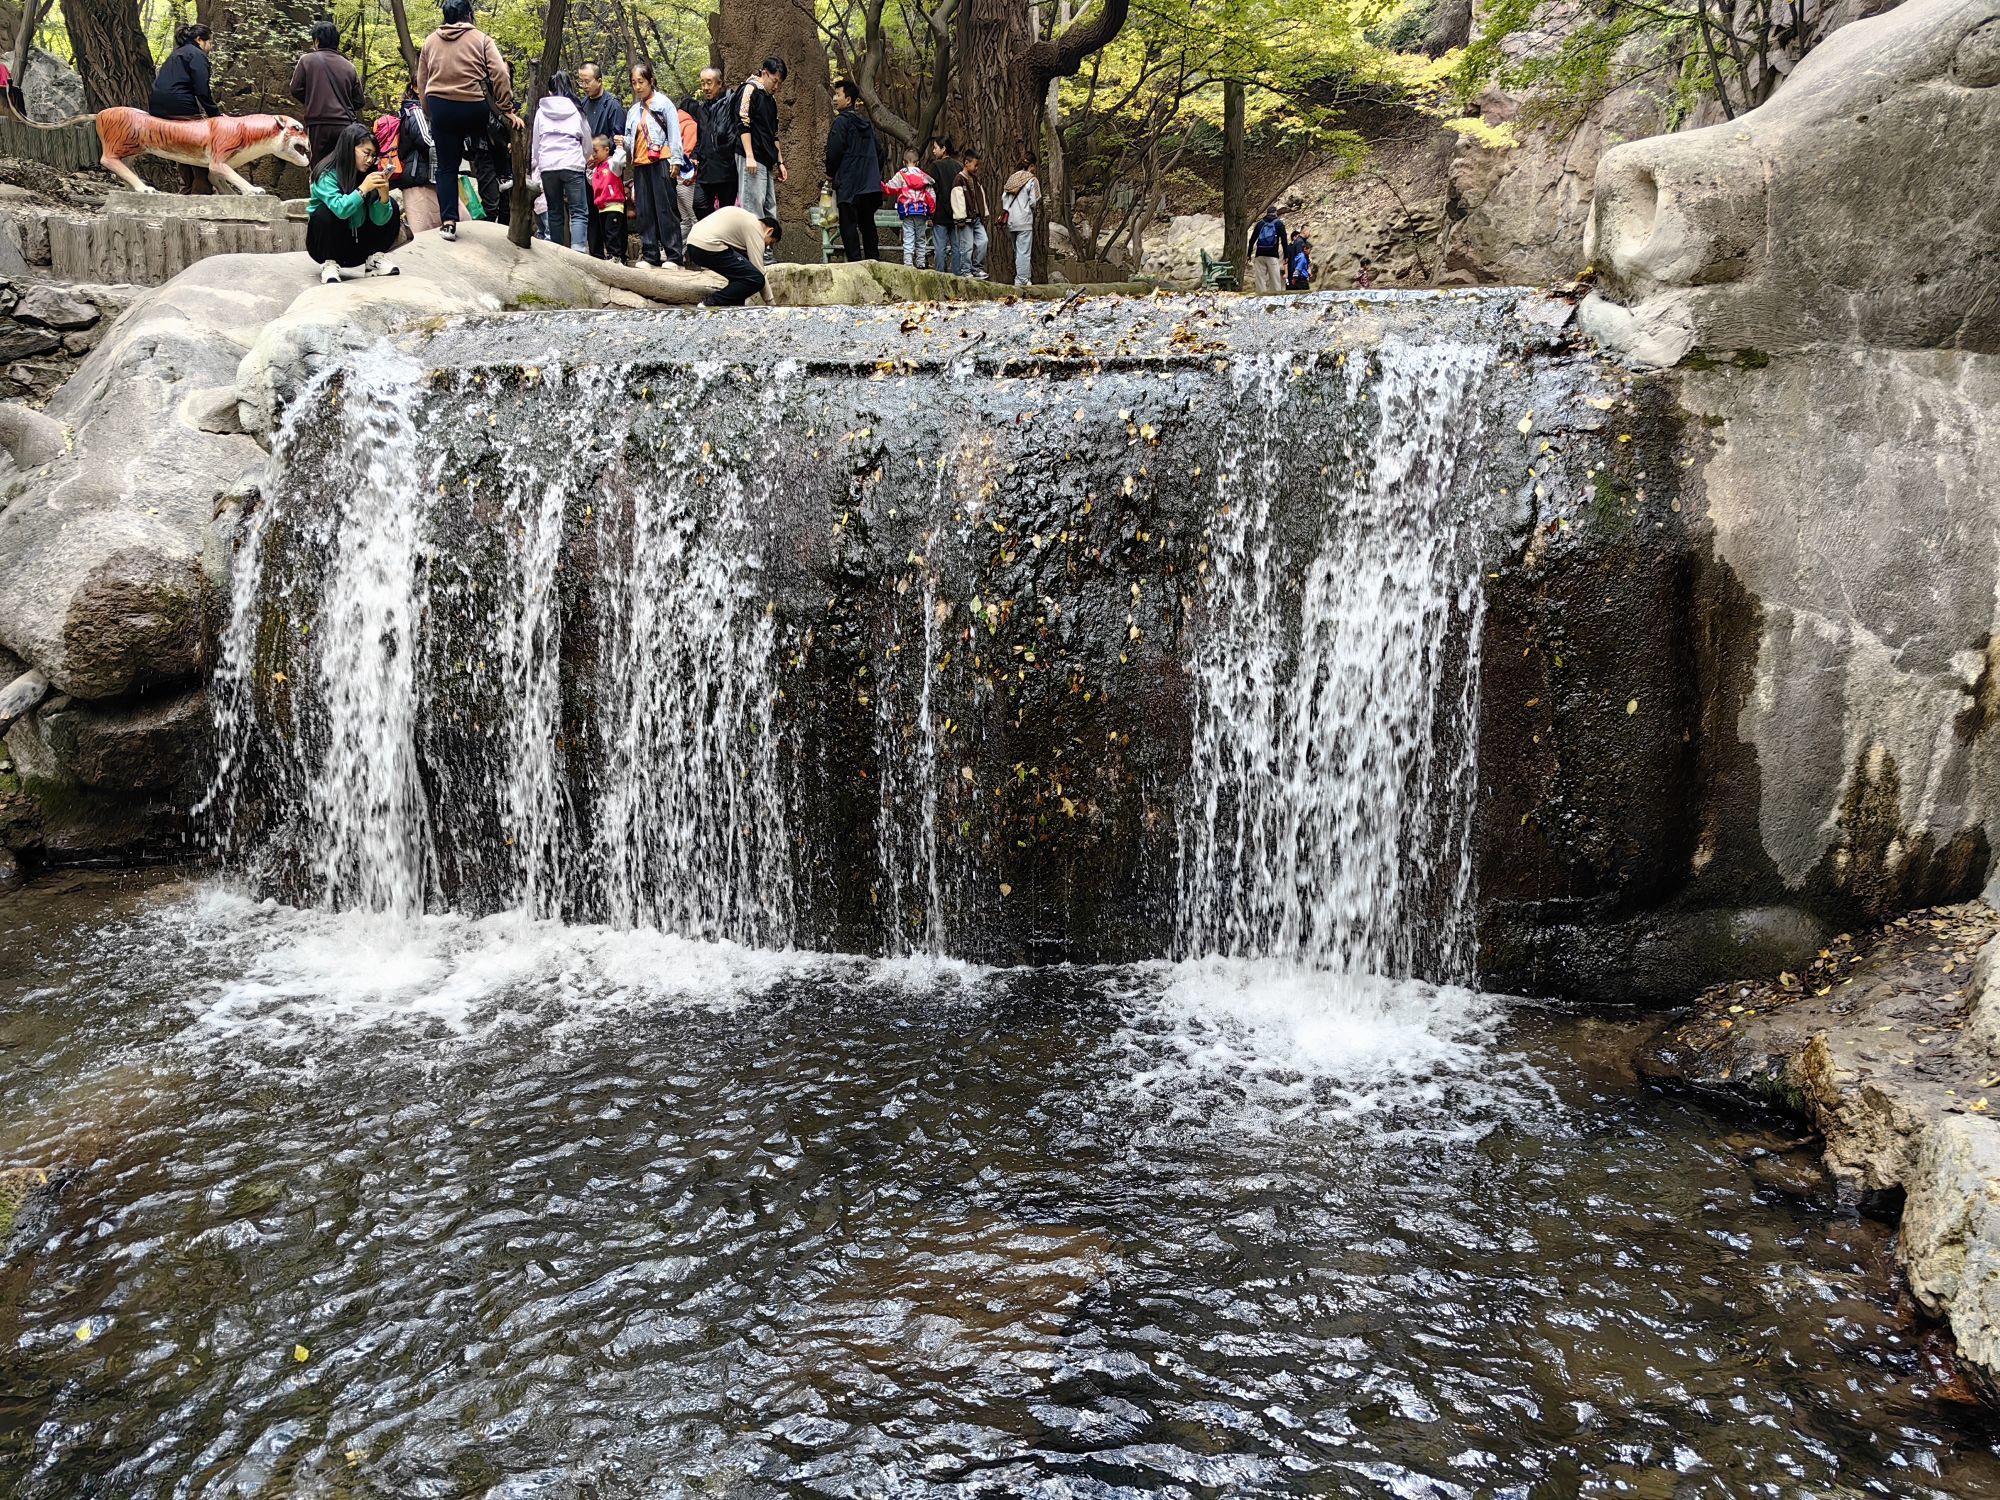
1329, 812
418, 743
730, 648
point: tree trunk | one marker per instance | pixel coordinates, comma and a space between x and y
401, 13
521, 213
1235, 186
745, 32
1003, 71
111, 54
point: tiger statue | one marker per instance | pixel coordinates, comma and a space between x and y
221, 143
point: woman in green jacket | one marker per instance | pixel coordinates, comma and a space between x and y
354, 222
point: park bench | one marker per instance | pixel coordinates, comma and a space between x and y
1218, 275
828, 225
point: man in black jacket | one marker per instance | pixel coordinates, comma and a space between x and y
715, 154
944, 224
854, 170
602, 115
760, 166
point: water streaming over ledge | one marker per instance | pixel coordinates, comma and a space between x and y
699, 646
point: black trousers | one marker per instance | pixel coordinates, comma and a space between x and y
709, 196
656, 211
458, 126
859, 238
322, 136
745, 280
331, 238
611, 237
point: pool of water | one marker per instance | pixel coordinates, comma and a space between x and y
485, 1209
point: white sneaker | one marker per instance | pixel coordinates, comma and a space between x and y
378, 265
449, 229
329, 274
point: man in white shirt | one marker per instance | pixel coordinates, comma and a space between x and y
731, 242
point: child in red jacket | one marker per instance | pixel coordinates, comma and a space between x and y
607, 191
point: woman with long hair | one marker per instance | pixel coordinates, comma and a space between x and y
654, 128
354, 222
560, 155
462, 79
181, 92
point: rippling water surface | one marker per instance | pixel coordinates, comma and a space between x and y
349, 1207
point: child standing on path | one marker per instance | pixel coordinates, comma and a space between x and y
916, 204
607, 195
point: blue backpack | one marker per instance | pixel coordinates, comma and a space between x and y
1267, 234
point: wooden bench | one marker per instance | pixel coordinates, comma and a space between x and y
828, 226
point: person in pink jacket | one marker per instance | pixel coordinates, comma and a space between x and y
559, 154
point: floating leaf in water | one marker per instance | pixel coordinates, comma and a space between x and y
84, 1333
1526, 423
301, 1353
1632, 707
1008, 890
1602, 403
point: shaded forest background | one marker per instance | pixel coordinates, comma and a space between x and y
1134, 109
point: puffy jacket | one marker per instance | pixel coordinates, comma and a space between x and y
1022, 195
415, 146
458, 61
852, 163
560, 141
180, 88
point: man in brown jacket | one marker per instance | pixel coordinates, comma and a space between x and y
458, 70
329, 88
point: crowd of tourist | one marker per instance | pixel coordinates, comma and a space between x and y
691, 183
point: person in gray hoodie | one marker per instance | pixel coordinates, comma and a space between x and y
559, 154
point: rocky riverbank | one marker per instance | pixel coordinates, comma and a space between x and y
1888, 1045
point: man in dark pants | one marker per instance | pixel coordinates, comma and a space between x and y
715, 147
854, 168
602, 115
326, 84
731, 242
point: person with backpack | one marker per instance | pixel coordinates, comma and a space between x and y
916, 205
458, 71
944, 173
1299, 269
714, 149
1023, 195
559, 154
1270, 249
854, 172
328, 88
654, 128
760, 164
353, 223
406, 152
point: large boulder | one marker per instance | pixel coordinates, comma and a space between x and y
1857, 205
100, 546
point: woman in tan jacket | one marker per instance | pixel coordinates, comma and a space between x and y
459, 73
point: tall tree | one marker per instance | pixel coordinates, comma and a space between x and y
111, 54
1235, 187
521, 213
1004, 69
744, 33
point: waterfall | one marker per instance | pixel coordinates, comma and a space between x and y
394, 706
1329, 812
1000, 655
